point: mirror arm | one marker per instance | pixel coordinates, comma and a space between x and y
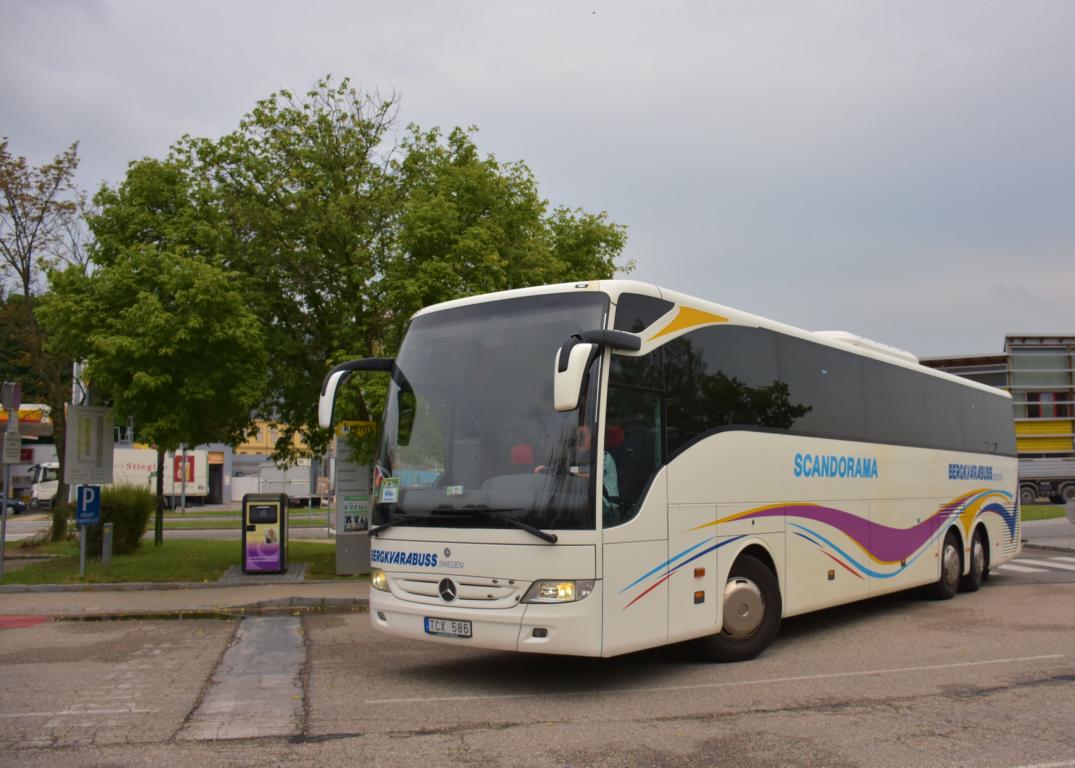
365, 364
614, 339
338, 375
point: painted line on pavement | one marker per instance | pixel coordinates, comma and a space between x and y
1020, 568
1048, 564
733, 684
69, 712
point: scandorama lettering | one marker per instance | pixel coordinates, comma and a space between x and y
814, 465
415, 559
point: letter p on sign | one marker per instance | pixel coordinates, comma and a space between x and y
88, 505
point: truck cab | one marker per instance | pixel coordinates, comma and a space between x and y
45, 485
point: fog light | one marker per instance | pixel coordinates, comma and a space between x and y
540, 632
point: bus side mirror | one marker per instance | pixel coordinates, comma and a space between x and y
338, 375
569, 368
575, 356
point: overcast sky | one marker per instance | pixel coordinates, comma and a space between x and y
902, 170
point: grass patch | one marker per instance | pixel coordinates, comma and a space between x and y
1042, 511
200, 512
173, 524
179, 560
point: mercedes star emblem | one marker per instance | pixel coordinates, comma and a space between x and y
447, 590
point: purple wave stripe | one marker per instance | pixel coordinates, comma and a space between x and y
890, 545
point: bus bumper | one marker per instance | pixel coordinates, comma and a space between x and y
568, 628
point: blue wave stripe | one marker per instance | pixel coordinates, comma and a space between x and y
665, 564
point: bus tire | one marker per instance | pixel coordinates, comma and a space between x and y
972, 580
752, 609
947, 583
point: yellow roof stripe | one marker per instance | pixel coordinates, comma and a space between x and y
688, 317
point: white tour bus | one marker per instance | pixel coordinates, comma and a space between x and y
601, 467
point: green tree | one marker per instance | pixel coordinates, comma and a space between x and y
471, 224
40, 209
168, 339
336, 235
341, 235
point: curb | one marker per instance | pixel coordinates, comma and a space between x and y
288, 605
1056, 547
144, 586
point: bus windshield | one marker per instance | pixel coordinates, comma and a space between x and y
470, 434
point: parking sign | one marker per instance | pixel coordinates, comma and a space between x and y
88, 505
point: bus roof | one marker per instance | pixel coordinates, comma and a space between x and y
844, 340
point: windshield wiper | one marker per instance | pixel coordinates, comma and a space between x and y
481, 509
397, 518
469, 509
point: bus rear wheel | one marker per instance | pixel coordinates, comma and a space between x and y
947, 584
978, 569
752, 609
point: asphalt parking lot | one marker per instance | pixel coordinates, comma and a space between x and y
985, 680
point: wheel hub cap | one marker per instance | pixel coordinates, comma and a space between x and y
744, 608
951, 565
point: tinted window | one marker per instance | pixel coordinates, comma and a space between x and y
829, 383
635, 312
1000, 428
720, 377
944, 420
895, 404
974, 421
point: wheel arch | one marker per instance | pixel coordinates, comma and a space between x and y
761, 551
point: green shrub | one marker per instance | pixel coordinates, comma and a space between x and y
128, 508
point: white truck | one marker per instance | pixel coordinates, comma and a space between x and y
138, 467
1050, 478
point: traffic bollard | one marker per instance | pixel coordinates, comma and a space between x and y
106, 544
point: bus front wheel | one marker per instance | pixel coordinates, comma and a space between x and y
751, 613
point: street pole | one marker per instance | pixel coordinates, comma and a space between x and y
82, 551
10, 399
183, 503
3, 518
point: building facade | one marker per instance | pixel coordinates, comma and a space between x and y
1039, 372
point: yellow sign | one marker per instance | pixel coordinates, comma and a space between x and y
358, 428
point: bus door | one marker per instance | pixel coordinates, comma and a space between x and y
634, 519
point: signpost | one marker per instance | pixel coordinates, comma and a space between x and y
353, 505
10, 399
87, 512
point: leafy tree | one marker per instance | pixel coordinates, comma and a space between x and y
169, 340
39, 228
341, 235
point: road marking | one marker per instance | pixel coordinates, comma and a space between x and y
1064, 559
708, 686
68, 712
1020, 568
1064, 764
1048, 564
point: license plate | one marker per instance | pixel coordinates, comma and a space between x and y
447, 627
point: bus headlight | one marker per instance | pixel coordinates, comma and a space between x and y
550, 591
378, 579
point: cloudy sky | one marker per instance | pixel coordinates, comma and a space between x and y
903, 170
